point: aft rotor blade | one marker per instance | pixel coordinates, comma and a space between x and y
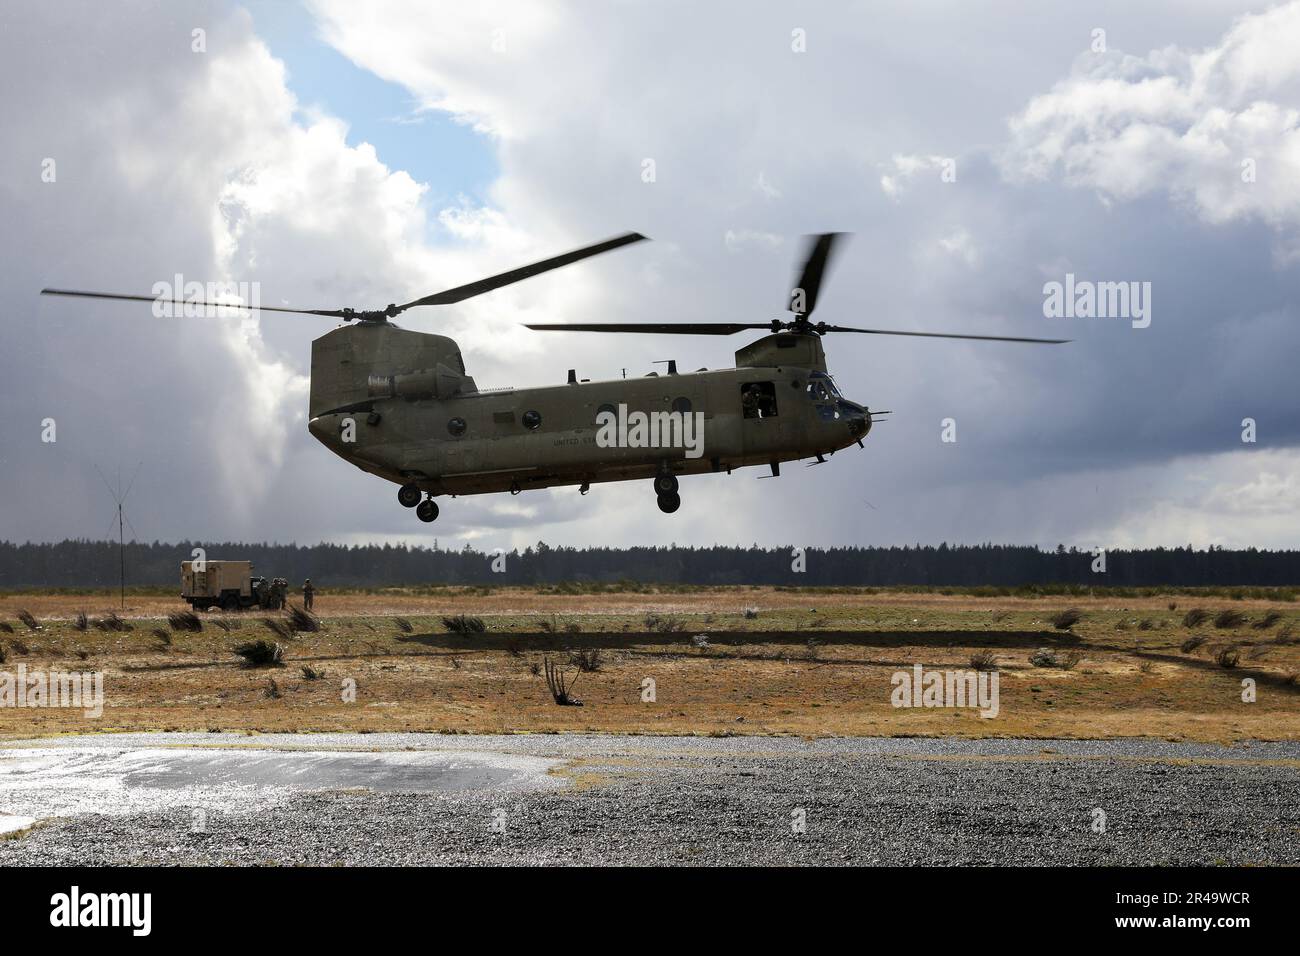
463, 292
661, 328
337, 313
814, 268
942, 335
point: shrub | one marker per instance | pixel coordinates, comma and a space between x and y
164, 637
1191, 644
984, 661
26, 618
19, 647
6, 627
224, 623
261, 653
1146, 624
310, 673
1195, 617
403, 625
750, 613
1066, 619
82, 622
1228, 656
1043, 657
1047, 657
111, 622
664, 624
1229, 619
273, 689
185, 621
464, 624
587, 660
1267, 621
279, 627
300, 620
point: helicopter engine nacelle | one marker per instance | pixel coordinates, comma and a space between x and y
420, 383
370, 361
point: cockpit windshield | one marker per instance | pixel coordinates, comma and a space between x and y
821, 387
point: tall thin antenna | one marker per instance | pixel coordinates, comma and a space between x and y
119, 497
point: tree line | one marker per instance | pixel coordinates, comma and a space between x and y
91, 564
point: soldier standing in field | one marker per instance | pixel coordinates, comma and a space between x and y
307, 592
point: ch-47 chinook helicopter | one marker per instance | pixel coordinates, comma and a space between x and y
400, 405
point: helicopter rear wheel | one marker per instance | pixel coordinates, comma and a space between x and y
666, 485
670, 502
408, 495
427, 510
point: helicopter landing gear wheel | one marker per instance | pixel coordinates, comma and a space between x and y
670, 502
427, 510
666, 485
408, 495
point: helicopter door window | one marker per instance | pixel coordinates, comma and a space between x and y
758, 399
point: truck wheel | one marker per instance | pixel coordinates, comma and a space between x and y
408, 495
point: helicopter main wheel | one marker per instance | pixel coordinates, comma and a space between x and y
408, 495
427, 510
666, 485
670, 502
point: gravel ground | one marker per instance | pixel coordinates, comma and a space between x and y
538, 800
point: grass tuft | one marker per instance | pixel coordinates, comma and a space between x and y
464, 624
261, 653
185, 621
1066, 619
1229, 619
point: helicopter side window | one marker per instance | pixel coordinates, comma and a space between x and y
758, 399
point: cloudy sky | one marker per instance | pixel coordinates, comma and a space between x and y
339, 153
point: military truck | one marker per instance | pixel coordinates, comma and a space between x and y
230, 585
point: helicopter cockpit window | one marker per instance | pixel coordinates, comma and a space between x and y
821, 387
758, 399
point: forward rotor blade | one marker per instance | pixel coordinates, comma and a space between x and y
463, 292
661, 328
814, 268
337, 313
942, 335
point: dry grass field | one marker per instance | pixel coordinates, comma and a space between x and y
809, 662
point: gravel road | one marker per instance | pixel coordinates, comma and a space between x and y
429, 799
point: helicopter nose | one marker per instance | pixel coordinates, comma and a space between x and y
859, 419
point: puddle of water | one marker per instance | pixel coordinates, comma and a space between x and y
39, 783
421, 772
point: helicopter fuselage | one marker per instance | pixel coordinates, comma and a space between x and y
422, 422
